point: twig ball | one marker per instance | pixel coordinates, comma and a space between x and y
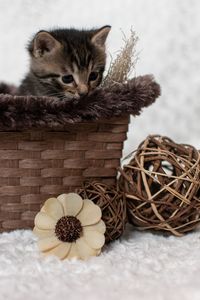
113, 206
162, 183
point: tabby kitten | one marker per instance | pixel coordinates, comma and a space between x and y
65, 63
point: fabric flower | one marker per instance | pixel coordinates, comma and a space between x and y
68, 226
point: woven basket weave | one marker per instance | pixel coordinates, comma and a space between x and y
37, 164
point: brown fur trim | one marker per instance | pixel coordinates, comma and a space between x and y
24, 112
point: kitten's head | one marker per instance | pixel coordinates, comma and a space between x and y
69, 62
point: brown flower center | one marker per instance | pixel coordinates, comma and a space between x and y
68, 229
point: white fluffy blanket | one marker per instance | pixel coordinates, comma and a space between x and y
139, 266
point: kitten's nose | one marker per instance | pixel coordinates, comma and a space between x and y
83, 90
81, 94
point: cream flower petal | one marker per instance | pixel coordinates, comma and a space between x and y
43, 221
98, 252
40, 233
93, 238
53, 208
61, 251
84, 250
48, 243
90, 213
100, 227
73, 253
71, 202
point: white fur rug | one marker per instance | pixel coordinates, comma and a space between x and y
139, 266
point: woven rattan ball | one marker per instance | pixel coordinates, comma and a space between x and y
161, 183
112, 204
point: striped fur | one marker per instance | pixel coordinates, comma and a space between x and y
66, 63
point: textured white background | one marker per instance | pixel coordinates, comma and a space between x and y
169, 47
142, 265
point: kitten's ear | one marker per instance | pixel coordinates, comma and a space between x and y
44, 43
100, 36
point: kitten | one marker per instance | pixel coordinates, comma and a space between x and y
65, 63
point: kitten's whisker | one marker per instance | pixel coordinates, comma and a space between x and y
53, 94
56, 94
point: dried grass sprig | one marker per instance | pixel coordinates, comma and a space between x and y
124, 64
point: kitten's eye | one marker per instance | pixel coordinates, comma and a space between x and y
67, 79
93, 76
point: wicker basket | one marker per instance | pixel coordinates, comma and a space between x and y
48, 146
37, 164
